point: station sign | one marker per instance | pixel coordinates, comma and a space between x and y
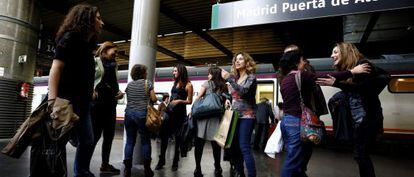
255, 12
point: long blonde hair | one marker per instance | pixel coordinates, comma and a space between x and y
250, 64
349, 56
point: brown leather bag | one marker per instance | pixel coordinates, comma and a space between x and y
153, 120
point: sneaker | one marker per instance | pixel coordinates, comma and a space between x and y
109, 169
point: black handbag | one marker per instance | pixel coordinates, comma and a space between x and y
211, 105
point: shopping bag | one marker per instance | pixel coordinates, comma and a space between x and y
232, 131
221, 136
275, 143
227, 129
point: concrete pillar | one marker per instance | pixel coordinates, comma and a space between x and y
144, 35
144, 45
19, 21
19, 26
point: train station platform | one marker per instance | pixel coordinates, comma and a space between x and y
325, 162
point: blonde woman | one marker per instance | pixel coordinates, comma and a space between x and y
363, 91
243, 85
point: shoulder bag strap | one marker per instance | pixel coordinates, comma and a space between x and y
299, 84
146, 91
210, 89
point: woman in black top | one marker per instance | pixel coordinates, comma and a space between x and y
181, 95
72, 75
365, 105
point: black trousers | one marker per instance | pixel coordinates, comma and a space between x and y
104, 120
364, 138
198, 152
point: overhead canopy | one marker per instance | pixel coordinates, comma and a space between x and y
185, 35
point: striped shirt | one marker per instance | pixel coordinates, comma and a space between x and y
137, 99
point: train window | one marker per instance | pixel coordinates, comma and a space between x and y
401, 84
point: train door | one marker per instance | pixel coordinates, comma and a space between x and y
266, 89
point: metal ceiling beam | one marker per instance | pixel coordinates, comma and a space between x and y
183, 22
63, 8
174, 55
116, 30
370, 26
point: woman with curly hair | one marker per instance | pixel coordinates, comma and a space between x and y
72, 75
243, 85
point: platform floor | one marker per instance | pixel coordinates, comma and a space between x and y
325, 162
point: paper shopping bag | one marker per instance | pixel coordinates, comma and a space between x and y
221, 136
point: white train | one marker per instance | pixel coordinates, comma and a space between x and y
396, 99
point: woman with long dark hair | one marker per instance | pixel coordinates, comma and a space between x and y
292, 63
72, 75
208, 127
243, 85
181, 96
363, 91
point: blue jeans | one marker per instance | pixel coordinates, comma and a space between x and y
85, 139
242, 139
298, 153
135, 122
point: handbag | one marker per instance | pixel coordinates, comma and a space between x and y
227, 129
153, 120
210, 105
311, 127
275, 143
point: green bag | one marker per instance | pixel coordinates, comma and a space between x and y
232, 130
